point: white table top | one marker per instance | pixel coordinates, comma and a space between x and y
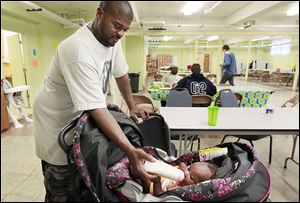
243, 88
16, 89
233, 120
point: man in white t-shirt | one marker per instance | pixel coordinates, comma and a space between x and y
77, 81
172, 78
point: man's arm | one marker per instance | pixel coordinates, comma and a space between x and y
181, 83
125, 89
112, 130
227, 60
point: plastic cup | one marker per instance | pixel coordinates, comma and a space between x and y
213, 112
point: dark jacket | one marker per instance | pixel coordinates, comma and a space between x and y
197, 84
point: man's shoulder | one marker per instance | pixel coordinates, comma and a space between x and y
75, 41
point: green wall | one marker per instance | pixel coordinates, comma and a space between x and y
38, 36
135, 57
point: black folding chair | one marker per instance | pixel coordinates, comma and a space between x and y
156, 133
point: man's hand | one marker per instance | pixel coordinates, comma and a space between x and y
137, 159
136, 113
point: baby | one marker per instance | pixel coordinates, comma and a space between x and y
195, 173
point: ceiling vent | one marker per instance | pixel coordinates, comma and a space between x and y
248, 24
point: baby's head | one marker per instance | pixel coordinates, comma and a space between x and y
197, 172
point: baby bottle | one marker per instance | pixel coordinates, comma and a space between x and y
163, 169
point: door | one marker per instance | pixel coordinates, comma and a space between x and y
17, 64
206, 63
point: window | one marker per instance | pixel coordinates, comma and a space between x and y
281, 46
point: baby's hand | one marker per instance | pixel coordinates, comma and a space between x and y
185, 170
156, 180
182, 166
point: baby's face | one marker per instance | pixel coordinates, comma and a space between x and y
196, 173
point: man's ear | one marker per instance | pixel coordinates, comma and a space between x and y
100, 13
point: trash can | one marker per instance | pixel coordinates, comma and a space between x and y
134, 81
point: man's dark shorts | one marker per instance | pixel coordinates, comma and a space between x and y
61, 183
227, 77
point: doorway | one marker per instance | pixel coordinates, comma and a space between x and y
206, 63
13, 61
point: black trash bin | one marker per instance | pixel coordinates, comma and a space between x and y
134, 81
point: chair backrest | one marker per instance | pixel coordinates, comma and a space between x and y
179, 97
227, 98
6, 84
211, 76
158, 77
201, 100
141, 99
156, 132
291, 102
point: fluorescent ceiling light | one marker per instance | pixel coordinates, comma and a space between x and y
167, 38
191, 7
259, 39
212, 38
293, 10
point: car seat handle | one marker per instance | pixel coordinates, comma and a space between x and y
61, 136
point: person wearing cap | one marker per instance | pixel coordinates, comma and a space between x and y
172, 78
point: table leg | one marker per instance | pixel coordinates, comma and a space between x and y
187, 142
295, 137
180, 143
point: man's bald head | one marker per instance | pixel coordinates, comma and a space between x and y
117, 8
112, 20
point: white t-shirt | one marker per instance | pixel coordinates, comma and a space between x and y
171, 79
77, 80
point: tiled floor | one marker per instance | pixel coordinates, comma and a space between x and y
22, 180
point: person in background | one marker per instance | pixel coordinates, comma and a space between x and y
77, 81
229, 66
172, 78
196, 83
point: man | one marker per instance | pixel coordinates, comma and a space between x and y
196, 83
229, 66
172, 78
77, 81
